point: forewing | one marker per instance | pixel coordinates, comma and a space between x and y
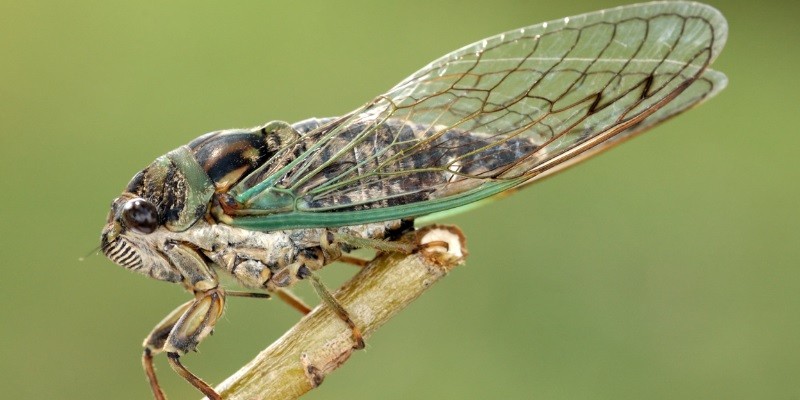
495, 115
704, 87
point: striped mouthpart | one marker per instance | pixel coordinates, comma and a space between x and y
120, 252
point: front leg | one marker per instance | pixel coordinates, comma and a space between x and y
154, 344
180, 332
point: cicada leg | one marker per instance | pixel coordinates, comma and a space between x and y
330, 301
295, 302
300, 270
333, 252
358, 262
330, 246
284, 294
252, 295
154, 344
179, 333
360, 242
312, 259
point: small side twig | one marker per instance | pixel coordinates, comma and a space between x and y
301, 359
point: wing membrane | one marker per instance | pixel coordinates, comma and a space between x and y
492, 116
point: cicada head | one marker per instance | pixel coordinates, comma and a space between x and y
160, 202
132, 240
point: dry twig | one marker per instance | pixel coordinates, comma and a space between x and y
321, 342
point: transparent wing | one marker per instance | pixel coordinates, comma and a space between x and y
706, 86
493, 116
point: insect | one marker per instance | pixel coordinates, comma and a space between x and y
273, 204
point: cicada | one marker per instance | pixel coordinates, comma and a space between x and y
273, 204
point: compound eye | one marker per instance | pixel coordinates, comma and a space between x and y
140, 215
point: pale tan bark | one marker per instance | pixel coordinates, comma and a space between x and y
321, 342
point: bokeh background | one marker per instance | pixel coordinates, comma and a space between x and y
665, 269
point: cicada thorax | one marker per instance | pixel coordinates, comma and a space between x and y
227, 156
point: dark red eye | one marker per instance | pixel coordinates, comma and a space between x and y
140, 215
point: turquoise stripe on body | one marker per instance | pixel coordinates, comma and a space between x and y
306, 219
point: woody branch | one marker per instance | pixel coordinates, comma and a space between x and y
320, 343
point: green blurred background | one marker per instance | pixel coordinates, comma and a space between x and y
665, 269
